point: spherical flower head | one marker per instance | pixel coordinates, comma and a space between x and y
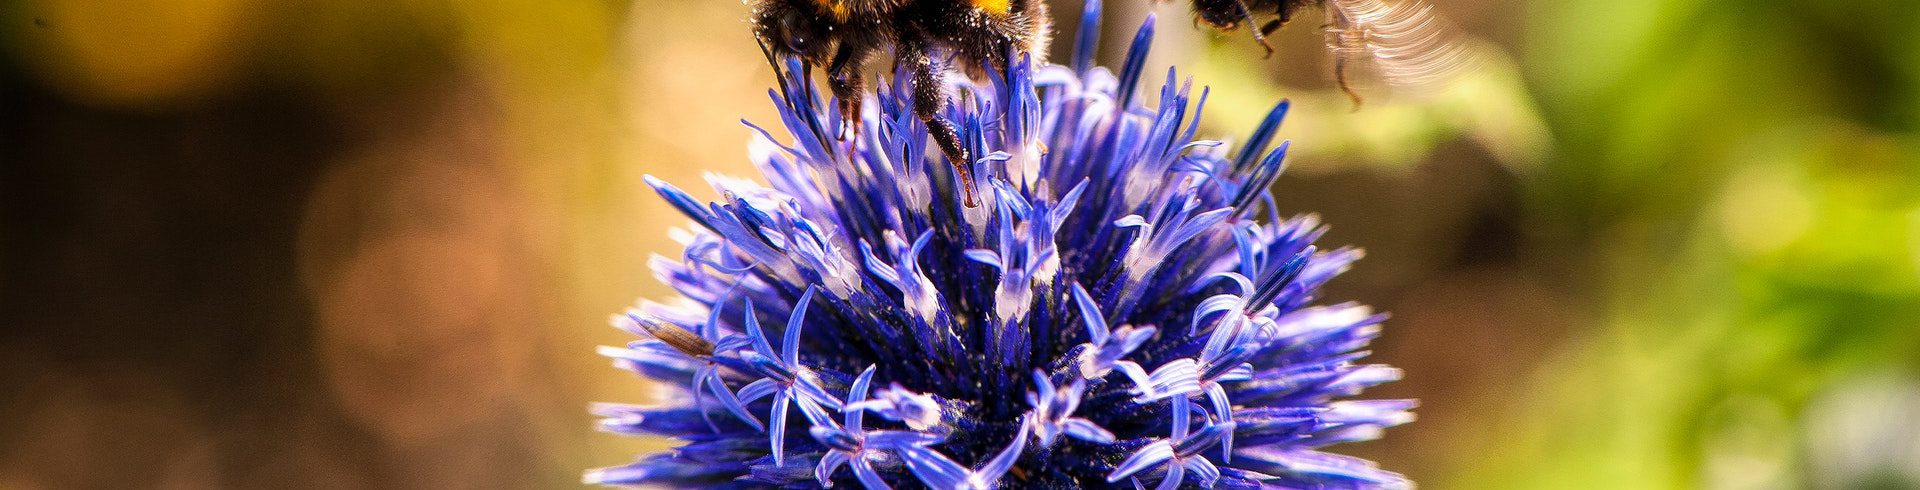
1125, 307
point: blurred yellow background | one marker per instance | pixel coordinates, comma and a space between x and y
372, 244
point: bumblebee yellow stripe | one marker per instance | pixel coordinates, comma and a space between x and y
999, 7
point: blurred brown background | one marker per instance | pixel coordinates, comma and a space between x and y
372, 244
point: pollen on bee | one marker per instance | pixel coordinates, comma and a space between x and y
836, 8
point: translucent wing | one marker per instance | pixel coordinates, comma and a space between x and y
1411, 47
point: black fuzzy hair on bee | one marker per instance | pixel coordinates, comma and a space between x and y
844, 35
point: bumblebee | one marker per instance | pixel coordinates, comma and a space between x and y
844, 35
1406, 42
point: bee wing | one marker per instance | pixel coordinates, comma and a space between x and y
1409, 45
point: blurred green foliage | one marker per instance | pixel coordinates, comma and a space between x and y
1740, 179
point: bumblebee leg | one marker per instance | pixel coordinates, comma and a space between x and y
1271, 25
928, 100
848, 87
1340, 76
1351, 40
1227, 15
1259, 35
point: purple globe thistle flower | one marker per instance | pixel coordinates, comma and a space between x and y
1125, 307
